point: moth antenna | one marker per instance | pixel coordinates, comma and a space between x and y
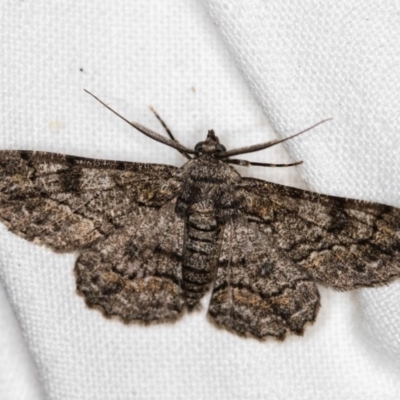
168, 131
146, 131
262, 146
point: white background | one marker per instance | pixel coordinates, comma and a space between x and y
235, 66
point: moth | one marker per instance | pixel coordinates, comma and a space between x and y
153, 239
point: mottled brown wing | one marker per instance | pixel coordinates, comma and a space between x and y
69, 203
120, 216
342, 243
136, 272
259, 291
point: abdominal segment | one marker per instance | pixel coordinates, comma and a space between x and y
199, 256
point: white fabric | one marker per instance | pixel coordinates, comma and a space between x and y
302, 62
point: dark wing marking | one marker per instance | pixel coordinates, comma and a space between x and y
342, 243
69, 203
258, 290
136, 272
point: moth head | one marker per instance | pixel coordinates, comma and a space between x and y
211, 145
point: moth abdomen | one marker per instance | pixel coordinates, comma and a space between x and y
199, 264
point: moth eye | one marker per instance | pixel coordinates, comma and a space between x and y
198, 146
249, 200
220, 148
164, 188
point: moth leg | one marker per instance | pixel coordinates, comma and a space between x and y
165, 126
245, 163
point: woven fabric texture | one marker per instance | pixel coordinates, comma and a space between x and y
246, 68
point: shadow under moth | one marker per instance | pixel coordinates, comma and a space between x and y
153, 239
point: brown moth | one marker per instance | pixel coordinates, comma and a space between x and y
152, 239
